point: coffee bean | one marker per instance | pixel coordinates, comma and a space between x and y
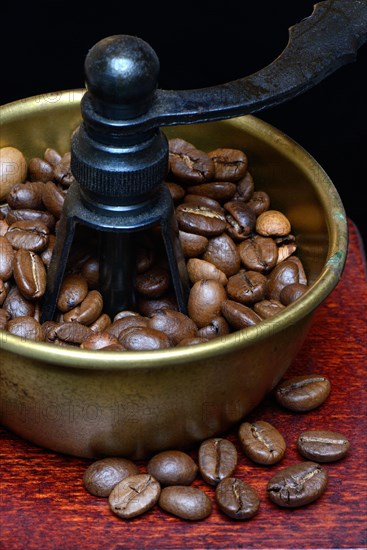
40, 170
303, 393
3, 292
32, 215
149, 306
26, 327
200, 269
6, 259
261, 442
247, 287
192, 341
153, 283
241, 219
223, 253
200, 220
90, 271
297, 485
73, 291
237, 499
206, 202
88, 310
123, 323
217, 327
285, 251
268, 308
229, 164
100, 340
302, 277
29, 274
283, 274
217, 459
184, 502
259, 202
134, 495
292, 292
238, 315
177, 191
258, 253
46, 254
52, 156
174, 324
322, 445
103, 475
205, 301
4, 226
4, 318
273, 223
245, 187
172, 468
73, 332
62, 171
187, 163
192, 245
101, 324
53, 198
17, 306
28, 234
143, 338
220, 191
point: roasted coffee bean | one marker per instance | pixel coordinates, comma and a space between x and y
175, 324
153, 283
4, 226
259, 202
302, 277
217, 327
205, 301
90, 271
258, 253
189, 164
223, 253
134, 495
185, 502
88, 310
18, 306
247, 287
4, 318
103, 475
28, 234
73, 332
220, 191
143, 338
128, 321
46, 254
40, 170
268, 308
26, 327
322, 445
241, 219
200, 269
177, 191
261, 442
53, 198
192, 341
238, 315
144, 259
3, 292
217, 459
292, 292
6, 259
33, 215
172, 468
13, 169
26, 195
62, 171
206, 202
273, 223
303, 393
192, 245
29, 274
52, 156
297, 485
149, 307
73, 291
245, 187
237, 499
283, 274
285, 251
101, 324
49, 328
200, 220
229, 164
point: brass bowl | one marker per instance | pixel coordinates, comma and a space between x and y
134, 404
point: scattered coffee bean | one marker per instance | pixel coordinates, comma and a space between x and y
101, 476
217, 459
134, 495
303, 393
297, 485
237, 499
173, 468
185, 502
322, 445
262, 442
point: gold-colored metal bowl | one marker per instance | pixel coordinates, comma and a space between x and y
134, 404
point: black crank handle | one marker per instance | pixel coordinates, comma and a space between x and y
320, 44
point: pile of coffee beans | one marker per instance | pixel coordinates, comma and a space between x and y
167, 478
240, 256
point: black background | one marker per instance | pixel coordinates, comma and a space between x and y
199, 44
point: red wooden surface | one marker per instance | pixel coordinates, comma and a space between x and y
43, 503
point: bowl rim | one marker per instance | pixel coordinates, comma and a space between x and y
326, 281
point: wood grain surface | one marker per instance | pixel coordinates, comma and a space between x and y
43, 503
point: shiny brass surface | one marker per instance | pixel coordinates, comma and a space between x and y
133, 404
